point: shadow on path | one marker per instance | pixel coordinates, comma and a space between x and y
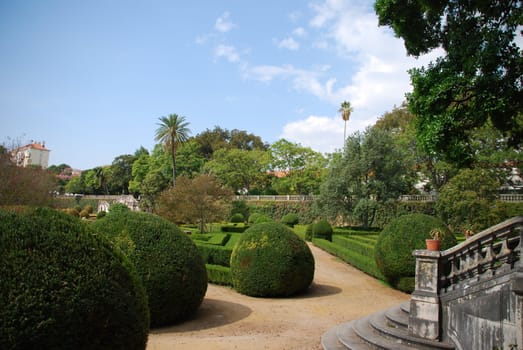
317, 290
212, 313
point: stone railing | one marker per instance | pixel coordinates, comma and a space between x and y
433, 197
488, 253
472, 294
275, 198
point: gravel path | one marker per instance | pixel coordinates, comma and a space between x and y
229, 320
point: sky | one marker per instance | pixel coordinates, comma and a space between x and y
91, 78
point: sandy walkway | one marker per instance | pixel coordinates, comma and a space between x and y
228, 320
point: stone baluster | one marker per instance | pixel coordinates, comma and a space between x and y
425, 318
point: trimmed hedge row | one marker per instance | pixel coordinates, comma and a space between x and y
363, 248
239, 228
214, 254
219, 239
218, 274
364, 263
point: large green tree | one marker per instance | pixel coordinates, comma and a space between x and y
479, 77
299, 169
239, 169
212, 140
172, 131
373, 169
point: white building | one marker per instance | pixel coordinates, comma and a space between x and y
31, 154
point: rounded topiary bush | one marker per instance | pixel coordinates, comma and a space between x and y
322, 229
258, 218
237, 218
168, 262
63, 287
397, 241
308, 232
290, 219
270, 260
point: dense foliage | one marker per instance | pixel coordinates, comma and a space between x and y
397, 241
201, 201
270, 260
322, 229
62, 287
478, 79
290, 219
373, 168
466, 200
166, 260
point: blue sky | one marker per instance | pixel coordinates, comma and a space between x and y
91, 78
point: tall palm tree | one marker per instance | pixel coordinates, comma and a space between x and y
345, 110
172, 131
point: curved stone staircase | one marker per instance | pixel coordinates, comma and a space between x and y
383, 330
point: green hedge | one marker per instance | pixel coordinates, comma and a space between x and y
364, 263
218, 274
363, 248
270, 260
238, 228
397, 241
214, 254
167, 260
219, 239
63, 287
233, 240
322, 229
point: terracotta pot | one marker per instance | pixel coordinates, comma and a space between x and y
433, 244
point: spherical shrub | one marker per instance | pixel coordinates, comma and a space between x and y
168, 262
258, 218
237, 218
63, 287
290, 219
308, 232
322, 229
270, 260
397, 241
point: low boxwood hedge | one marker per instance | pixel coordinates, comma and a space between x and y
218, 274
365, 263
214, 255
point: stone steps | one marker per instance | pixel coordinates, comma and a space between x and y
387, 330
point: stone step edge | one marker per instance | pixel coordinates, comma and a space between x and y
379, 322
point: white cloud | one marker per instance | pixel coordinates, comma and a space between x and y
379, 81
223, 23
289, 43
228, 52
322, 134
300, 31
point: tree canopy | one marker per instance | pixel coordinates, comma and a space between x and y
479, 78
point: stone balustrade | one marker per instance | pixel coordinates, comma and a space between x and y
472, 294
